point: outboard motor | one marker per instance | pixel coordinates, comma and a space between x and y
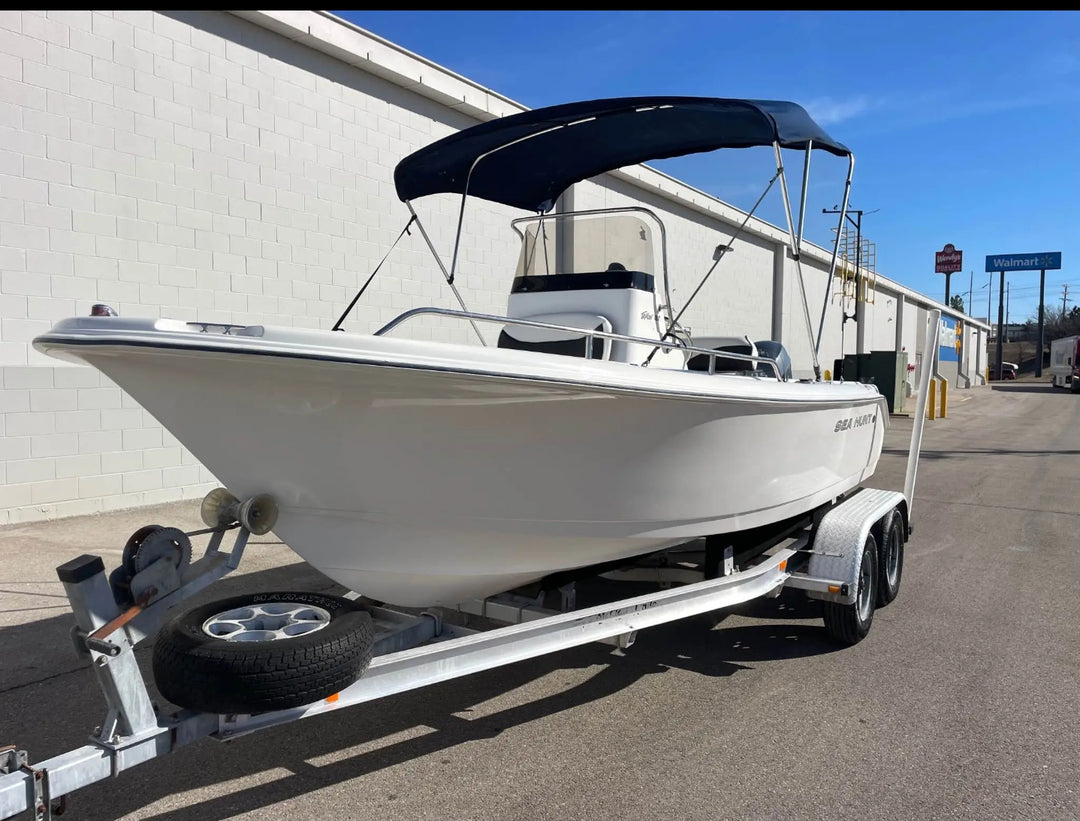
728, 364
774, 350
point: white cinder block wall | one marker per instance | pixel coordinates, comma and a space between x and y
237, 167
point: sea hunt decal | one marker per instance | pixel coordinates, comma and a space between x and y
855, 422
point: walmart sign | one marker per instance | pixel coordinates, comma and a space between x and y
1048, 261
949, 335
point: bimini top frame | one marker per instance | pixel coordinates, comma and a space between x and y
528, 160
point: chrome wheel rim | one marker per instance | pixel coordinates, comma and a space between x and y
271, 621
865, 586
891, 553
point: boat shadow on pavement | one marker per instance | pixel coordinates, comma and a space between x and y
50, 702
1022, 386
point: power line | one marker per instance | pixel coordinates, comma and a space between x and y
1049, 284
1031, 288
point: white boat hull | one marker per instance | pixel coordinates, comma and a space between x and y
425, 473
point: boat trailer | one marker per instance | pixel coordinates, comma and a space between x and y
849, 554
411, 650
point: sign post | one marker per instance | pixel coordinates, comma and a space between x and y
1043, 262
948, 261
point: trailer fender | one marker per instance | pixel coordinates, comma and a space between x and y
838, 541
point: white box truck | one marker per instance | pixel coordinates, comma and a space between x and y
1065, 363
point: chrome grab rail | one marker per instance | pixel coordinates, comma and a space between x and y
589, 334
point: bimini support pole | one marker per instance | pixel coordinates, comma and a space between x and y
461, 222
835, 251
802, 196
796, 241
449, 275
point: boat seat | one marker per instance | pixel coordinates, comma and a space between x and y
610, 279
566, 341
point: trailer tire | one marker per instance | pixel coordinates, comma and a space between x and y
890, 558
287, 649
848, 624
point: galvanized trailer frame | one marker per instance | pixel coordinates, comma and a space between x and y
411, 650
824, 558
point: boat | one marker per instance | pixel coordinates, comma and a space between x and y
585, 427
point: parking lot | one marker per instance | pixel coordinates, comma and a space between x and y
962, 703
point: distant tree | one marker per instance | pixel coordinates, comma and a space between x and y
1072, 322
1058, 323
957, 302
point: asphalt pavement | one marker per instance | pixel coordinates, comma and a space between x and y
963, 702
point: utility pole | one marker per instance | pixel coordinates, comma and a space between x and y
1064, 299
971, 284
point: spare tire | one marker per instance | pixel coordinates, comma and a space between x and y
262, 651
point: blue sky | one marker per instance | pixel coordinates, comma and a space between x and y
964, 125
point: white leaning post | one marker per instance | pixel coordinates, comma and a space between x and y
930, 343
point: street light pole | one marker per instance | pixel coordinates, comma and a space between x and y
1007, 284
1000, 322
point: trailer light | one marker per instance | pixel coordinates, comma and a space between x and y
783, 564
100, 309
835, 588
333, 698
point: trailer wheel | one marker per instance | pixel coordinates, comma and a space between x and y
849, 623
890, 558
263, 651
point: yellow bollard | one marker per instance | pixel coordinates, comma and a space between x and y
931, 405
828, 375
944, 398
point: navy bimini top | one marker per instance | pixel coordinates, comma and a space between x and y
527, 160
